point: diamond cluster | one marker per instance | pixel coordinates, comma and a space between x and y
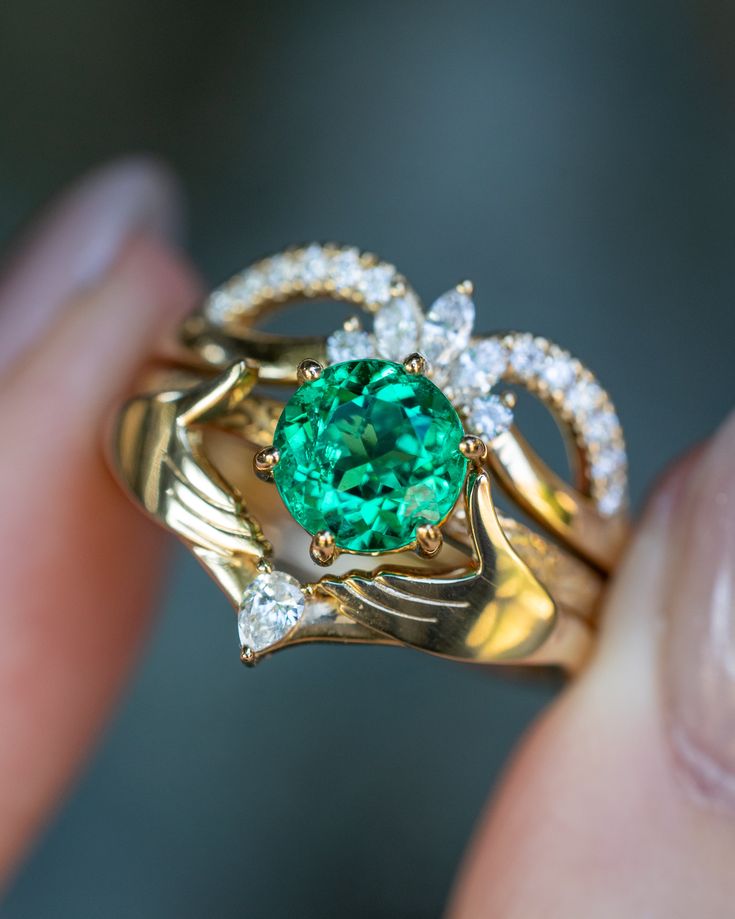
467, 369
341, 272
568, 387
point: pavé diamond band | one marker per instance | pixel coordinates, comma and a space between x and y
387, 445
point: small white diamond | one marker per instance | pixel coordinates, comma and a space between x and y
271, 606
489, 416
608, 463
612, 500
558, 373
397, 327
477, 370
375, 283
447, 330
281, 270
221, 305
345, 269
314, 265
583, 397
352, 345
602, 426
248, 286
527, 357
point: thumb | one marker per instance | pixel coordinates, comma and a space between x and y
622, 800
81, 307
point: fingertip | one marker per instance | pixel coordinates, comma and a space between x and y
73, 244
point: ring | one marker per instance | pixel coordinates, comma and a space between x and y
391, 442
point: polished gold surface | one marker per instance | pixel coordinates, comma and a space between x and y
160, 457
429, 540
415, 363
485, 589
323, 550
308, 371
497, 611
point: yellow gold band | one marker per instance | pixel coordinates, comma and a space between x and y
499, 592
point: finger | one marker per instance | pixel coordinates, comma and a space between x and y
79, 563
620, 802
75, 241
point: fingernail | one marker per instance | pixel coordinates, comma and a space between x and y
699, 645
76, 240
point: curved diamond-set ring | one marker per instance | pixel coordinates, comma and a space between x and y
391, 443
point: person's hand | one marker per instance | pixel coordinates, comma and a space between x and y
621, 801
83, 300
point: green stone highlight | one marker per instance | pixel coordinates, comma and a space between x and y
370, 453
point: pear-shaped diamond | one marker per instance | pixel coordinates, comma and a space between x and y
271, 605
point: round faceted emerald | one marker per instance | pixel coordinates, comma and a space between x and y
369, 452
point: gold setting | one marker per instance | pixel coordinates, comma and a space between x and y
323, 550
264, 462
473, 448
415, 364
429, 540
516, 598
308, 371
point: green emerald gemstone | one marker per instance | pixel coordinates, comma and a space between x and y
370, 453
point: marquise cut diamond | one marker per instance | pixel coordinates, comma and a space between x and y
447, 330
397, 327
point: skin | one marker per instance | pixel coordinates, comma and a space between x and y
596, 815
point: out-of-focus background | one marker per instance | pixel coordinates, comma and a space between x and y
576, 161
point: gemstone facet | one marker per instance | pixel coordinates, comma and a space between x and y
370, 453
271, 605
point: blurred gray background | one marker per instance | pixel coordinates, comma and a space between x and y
576, 161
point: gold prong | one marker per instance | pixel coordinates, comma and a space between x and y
322, 550
264, 565
264, 463
415, 363
466, 287
428, 540
508, 399
398, 289
247, 656
308, 371
473, 448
